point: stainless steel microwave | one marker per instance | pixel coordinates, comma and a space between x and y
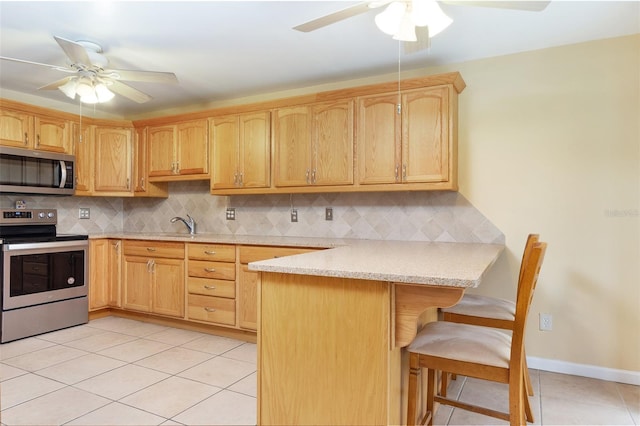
24, 171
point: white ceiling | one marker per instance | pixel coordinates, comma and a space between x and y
223, 50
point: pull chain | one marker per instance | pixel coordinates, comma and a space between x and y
399, 105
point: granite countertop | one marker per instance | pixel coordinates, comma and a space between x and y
257, 240
446, 264
431, 263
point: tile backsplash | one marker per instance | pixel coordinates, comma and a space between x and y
418, 216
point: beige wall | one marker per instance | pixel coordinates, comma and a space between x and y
549, 143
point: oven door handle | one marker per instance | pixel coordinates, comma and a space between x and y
81, 244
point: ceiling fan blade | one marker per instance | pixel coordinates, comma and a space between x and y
55, 84
54, 67
340, 15
129, 92
146, 76
530, 5
76, 52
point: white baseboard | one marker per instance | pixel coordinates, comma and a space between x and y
603, 373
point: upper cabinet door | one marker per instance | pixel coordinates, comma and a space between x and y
161, 154
254, 150
225, 140
16, 128
192, 149
112, 153
425, 135
241, 151
378, 140
52, 134
83, 138
332, 144
292, 141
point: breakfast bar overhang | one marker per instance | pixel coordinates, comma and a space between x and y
333, 325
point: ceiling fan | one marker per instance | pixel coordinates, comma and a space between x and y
413, 21
91, 80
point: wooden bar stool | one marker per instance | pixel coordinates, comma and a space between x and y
489, 312
476, 351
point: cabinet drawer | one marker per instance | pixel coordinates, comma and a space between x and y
219, 270
211, 287
255, 253
217, 252
154, 249
212, 309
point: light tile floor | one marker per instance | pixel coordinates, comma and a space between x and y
116, 371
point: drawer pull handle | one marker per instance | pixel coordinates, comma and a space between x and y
209, 252
209, 309
210, 287
151, 249
210, 269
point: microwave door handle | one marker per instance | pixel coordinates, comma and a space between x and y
63, 174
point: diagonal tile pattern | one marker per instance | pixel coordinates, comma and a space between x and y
423, 216
154, 375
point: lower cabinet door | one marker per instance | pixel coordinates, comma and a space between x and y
137, 284
168, 288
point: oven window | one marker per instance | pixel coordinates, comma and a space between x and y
37, 273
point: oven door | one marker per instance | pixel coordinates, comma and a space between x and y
38, 273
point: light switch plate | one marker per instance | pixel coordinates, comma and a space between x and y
231, 213
84, 213
328, 213
294, 215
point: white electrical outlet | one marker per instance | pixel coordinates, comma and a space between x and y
294, 215
546, 322
84, 213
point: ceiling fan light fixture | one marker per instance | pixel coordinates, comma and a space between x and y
390, 19
407, 30
84, 88
432, 15
103, 93
69, 88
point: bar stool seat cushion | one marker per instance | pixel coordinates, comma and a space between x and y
484, 307
462, 342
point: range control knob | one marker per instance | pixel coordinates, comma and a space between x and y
50, 214
41, 215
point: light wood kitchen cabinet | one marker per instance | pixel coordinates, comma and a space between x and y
52, 134
153, 273
104, 273
179, 151
314, 144
83, 139
16, 128
249, 281
112, 154
23, 129
211, 283
141, 185
241, 151
413, 144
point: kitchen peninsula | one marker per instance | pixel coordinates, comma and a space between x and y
332, 325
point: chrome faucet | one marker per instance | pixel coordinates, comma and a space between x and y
190, 224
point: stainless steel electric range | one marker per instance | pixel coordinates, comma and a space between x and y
44, 275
